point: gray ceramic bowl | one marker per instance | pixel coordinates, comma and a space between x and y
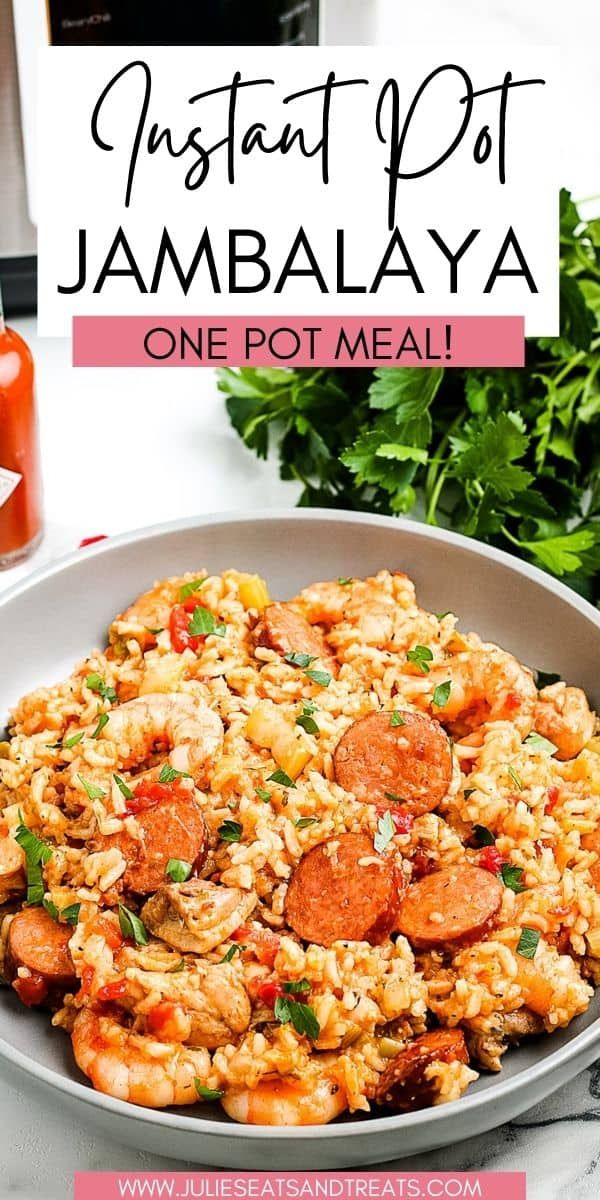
57, 615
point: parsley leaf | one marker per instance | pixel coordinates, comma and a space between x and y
235, 948
178, 870
540, 744
125, 791
97, 684
51, 909
518, 782
204, 622
511, 877
345, 580
528, 942
304, 822
280, 777
307, 721
385, 831
74, 740
230, 831
37, 854
263, 794
132, 926
441, 694
168, 774
301, 1016
299, 660
70, 914
187, 589
207, 1093
504, 455
421, 656
323, 678
396, 719
93, 791
103, 720
483, 836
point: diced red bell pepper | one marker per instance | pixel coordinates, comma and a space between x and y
149, 793
552, 801
260, 943
31, 989
271, 990
402, 818
112, 991
91, 541
179, 626
491, 860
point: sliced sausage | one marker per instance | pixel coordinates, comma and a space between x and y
343, 890
591, 841
288, 632
173, 829
403, 1085
384, 763
38, 963
451, 906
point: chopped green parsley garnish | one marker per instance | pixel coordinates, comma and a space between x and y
421, 656
528, 942
178, 870
132, 926
230, 831
96, 684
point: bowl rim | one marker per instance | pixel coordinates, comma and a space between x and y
434, 533
181, 1120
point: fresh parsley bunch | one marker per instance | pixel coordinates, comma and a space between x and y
509, 456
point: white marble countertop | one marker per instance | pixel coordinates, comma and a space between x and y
187, 460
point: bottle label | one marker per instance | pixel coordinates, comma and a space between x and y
9, 480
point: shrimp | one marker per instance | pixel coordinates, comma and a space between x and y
562, 714
365, 605
487, 684
192, 730
12, 865
151, 611
315, 1099
134, 1067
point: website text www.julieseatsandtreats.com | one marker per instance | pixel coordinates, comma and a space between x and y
309, 1186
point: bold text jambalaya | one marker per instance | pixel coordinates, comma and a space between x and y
302, 858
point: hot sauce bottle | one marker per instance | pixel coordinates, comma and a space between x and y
20, 475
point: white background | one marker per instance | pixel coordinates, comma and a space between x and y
83, 186
187, 460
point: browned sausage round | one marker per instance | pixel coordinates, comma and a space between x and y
384, 763
343, 890
288, 632
39, 947
172, 829
453, 905
403, 1085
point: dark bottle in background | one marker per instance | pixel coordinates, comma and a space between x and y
184, 22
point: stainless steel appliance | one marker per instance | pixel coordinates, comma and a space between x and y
17, 234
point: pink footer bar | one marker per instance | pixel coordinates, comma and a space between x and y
298, 341
312, 1185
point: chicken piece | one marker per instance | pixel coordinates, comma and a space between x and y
488, 1045
196, 916
221, 1008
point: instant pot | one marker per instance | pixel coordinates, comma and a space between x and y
27, 24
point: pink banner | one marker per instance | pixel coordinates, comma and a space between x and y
298, 341
312, 1185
